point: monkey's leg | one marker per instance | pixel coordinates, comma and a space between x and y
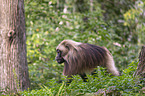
94, 74
84, 77
69, 80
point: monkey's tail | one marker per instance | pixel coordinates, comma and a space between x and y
111, 65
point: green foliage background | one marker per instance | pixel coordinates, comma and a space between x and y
115, 24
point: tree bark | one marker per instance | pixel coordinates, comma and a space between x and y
13, 62
141, 65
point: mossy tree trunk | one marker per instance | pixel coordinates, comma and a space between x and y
141, 65
13, 63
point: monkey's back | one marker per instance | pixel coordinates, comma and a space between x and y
93, 55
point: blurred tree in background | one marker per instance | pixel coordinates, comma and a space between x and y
115, 24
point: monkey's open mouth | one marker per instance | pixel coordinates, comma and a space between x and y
59, 61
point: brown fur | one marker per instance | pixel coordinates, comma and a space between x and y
83, 58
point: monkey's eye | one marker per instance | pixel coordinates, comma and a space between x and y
58, 51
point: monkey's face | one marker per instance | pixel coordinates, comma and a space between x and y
62, 52
59, 57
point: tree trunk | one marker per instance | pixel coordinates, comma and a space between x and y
82, 6
141, 65
91, 5
13, 62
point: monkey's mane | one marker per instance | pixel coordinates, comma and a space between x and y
82, 57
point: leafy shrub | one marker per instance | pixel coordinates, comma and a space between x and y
125, 84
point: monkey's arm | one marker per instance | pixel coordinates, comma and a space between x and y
69, 80
84, 77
